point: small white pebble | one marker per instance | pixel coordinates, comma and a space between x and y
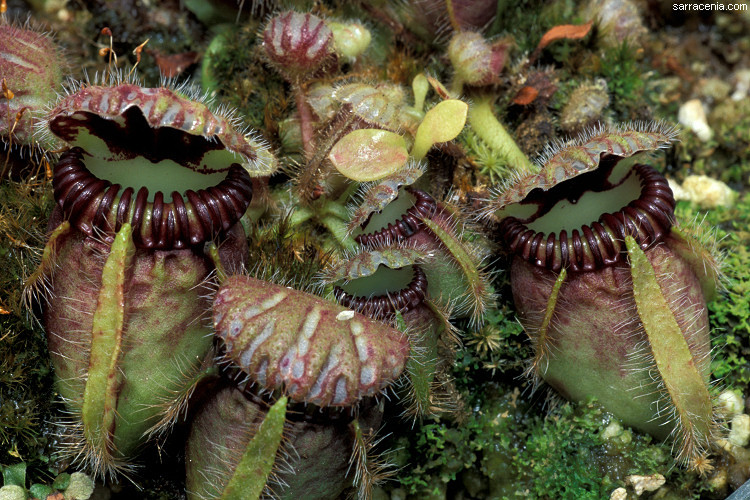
724, 444
64, 15
731, 403
677, 191
718, 480
613, 430
345, 315
708, 192
714, 88
619, 494
739, 435
81, 487
693, 116
640, 484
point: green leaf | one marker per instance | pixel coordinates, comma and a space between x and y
256, 463
441, 124
104, 376
40, 490
369, 154
420, 86
681, 378
15, 475
61, 482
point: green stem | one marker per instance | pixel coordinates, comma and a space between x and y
491, 131
473, 278
337, 209
348, 193
456, 86
213, 253
301, 214
305, 121
339, 230
420, 86
421, 367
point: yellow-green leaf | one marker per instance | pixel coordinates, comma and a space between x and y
686, 391
441, 124
369, 154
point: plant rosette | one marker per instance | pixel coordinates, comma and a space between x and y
612, 295
150, 178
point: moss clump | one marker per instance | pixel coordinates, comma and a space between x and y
624, 80
507, 449
490, 162
76, 486
528, 21
500, 346
25, 375
169, 29
234, 64
730, 121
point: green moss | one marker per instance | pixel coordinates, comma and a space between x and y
245, 83
731, 123
170, 30
500, 346
25, 374
508, 449
624, 79
76, 486
729, 158
528, 21
490, 162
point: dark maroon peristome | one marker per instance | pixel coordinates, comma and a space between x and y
424, 207
385, 306
647, 219
96, 205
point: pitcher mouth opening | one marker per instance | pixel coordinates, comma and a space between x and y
385, 228
175, 220
577, 246
369, 296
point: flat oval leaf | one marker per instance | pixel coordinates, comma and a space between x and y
369, 154
441, 124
